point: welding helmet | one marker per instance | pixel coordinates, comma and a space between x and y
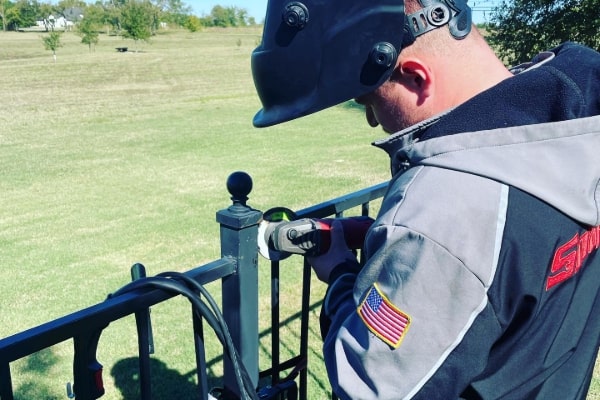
315, 54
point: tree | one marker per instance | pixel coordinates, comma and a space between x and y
112, 12
52, 42
96, 15
519, 29
228, 16
67, 4
22, 14
222, 16
87, 28
137, 20
4, 5
192, 23
173, 11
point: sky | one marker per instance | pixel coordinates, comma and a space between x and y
258, 8
255, 8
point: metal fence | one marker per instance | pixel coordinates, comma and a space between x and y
237, 269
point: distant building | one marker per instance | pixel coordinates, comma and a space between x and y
66, 21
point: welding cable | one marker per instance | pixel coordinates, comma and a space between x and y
220, 329
213, 317
201, 290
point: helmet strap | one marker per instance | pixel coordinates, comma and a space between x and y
437, 13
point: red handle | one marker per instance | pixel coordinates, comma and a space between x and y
355, 231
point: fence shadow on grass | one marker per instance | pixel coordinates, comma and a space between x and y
170, 384
35, 390
37, 364
166, 383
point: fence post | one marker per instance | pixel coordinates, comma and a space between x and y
239, 230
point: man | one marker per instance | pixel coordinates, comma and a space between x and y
482, 269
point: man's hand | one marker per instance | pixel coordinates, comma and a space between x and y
337, 254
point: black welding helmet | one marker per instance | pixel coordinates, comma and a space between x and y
318, 53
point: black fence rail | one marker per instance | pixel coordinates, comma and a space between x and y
237, 269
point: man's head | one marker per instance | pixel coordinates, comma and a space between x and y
432, 75
319, 53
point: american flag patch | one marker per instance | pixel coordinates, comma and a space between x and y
382, 318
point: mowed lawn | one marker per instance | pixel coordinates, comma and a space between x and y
108, 159
112, 158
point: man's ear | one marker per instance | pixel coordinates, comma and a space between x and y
415, 76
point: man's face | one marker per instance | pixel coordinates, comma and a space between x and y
390, 106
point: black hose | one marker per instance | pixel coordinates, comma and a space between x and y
179, 283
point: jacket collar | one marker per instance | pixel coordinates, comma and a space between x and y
405, 139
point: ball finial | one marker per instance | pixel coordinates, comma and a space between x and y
239, 185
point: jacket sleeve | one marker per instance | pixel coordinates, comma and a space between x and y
399, 329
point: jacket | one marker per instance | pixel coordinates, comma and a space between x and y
482, 268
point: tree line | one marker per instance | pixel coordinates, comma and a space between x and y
114, 14
520, 29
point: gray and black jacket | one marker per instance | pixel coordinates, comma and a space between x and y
482, 269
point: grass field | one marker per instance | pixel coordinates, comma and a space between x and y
111, 158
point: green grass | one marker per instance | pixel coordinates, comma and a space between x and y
111, 158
